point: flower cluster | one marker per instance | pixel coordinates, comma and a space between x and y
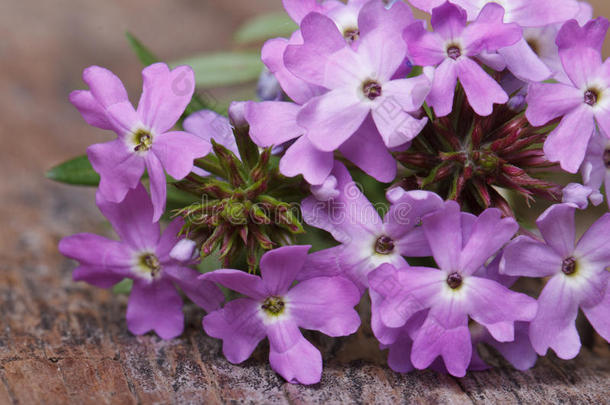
450, 122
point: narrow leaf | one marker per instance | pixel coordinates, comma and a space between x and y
265, 26
224, 68
145, 56
77, 171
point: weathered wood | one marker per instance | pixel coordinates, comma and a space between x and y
64, 342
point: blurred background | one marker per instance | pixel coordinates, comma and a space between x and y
44, 47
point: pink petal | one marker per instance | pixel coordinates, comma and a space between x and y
523, 62
91, 110
454, 345
375, 14
490, 303
155, 306
448, 20
302, 364
237, 280
203, 293
593, 245
547, 101
555, 325
279, 267
105, 86
527, 257
425, 48
273, 122
158, 185
482, 91
410, 94
396, 126
384, 56
332, 118
132, 219
443, 229
567, 144
303, 158
488, 32
366, 149
556, 225
598, 316
177, 151
120, 170
239, 327
443, 87
298, 9
489, 233
325, 304
208, 125
165, 95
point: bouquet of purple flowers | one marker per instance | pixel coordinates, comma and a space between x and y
381, 167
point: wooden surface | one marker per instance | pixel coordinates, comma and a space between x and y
65, 342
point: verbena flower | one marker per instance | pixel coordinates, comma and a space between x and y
524, 58
451, 49
578, 274
461, 245
145, 136
583, 104
272, 308
143, 255
366, 240
320, 36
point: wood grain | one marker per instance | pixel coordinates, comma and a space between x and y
66, 343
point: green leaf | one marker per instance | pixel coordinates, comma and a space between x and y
124, 287
224, 68
145, 56
77, 171
264, 27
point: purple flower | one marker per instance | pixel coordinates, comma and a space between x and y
272, 309
274, 123
578, 278
522, 58
366, 240
461, 244
360, 83
143, 255
596, 168
452, 47
145, 137
583, 103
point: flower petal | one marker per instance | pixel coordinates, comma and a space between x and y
443, 88
177, 151
91, 110
443, 230
556, 225
366, 149
239, 327
279, 267
302, 364
547, 101
555, 324
155, 306
489, 233
482, 91
165, 95
237, 280
132, 219
567, 144
598, 316
202, 292
158, 185
325, 304
433, 340
302, 157
120, 170
448, 20
396, 126
593, 246
273, 122
332, 118
523, 62
527, 257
